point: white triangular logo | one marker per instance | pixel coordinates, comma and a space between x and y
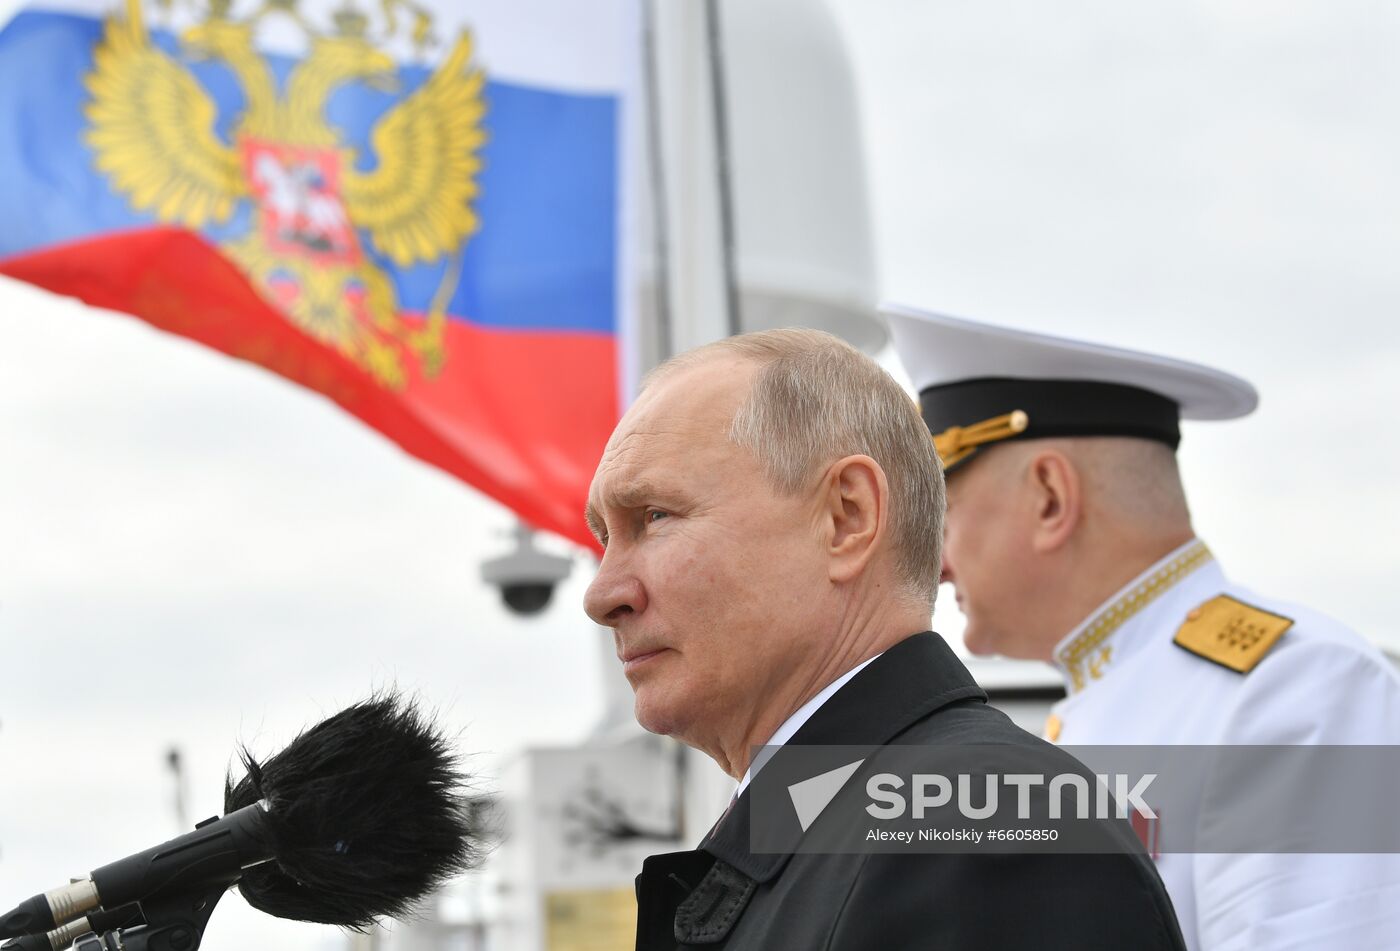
811, 796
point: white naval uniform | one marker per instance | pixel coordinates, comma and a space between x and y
1128, 683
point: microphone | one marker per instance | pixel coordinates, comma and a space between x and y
212, 856
357, 819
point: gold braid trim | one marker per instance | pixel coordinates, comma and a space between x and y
956, 443
1075, 656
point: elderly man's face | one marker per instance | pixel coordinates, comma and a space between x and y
987, 554
711, 581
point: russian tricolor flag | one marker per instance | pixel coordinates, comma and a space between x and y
412, 207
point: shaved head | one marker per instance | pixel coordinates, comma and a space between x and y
1132, 479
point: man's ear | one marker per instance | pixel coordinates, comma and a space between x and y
1056, 492
854, 513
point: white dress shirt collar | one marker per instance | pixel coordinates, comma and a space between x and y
794, 723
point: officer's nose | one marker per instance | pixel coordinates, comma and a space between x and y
946, 576
615, 594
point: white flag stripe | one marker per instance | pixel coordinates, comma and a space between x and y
570, 45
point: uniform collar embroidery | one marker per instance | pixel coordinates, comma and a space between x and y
1086, 653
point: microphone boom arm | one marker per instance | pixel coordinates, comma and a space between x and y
208, 859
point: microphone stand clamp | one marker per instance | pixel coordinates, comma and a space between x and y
173, 922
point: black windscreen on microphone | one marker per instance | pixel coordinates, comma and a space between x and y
357, 819
367, 813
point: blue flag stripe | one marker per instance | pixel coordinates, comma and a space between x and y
543, 259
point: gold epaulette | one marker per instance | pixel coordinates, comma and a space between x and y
956, 443
1231, 633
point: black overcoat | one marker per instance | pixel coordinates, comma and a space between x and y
724, 896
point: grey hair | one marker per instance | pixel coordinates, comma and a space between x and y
816, 399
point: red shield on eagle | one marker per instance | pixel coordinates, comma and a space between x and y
297, 189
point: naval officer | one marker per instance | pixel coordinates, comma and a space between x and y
1069, 540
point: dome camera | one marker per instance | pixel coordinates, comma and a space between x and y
527, 576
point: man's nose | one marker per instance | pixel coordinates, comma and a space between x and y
614, 594
946, 575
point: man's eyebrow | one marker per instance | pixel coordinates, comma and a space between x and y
634, 494
630, 495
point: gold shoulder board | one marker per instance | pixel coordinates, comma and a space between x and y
1231, 633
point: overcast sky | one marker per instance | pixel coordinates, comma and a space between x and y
196, 552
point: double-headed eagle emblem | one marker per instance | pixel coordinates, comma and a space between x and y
323, 224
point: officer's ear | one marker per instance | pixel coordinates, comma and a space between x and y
1056, 497
854, 515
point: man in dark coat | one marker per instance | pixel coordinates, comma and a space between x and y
771, 514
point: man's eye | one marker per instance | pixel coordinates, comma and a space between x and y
653, 515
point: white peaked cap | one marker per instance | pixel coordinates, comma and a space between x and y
969, 373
